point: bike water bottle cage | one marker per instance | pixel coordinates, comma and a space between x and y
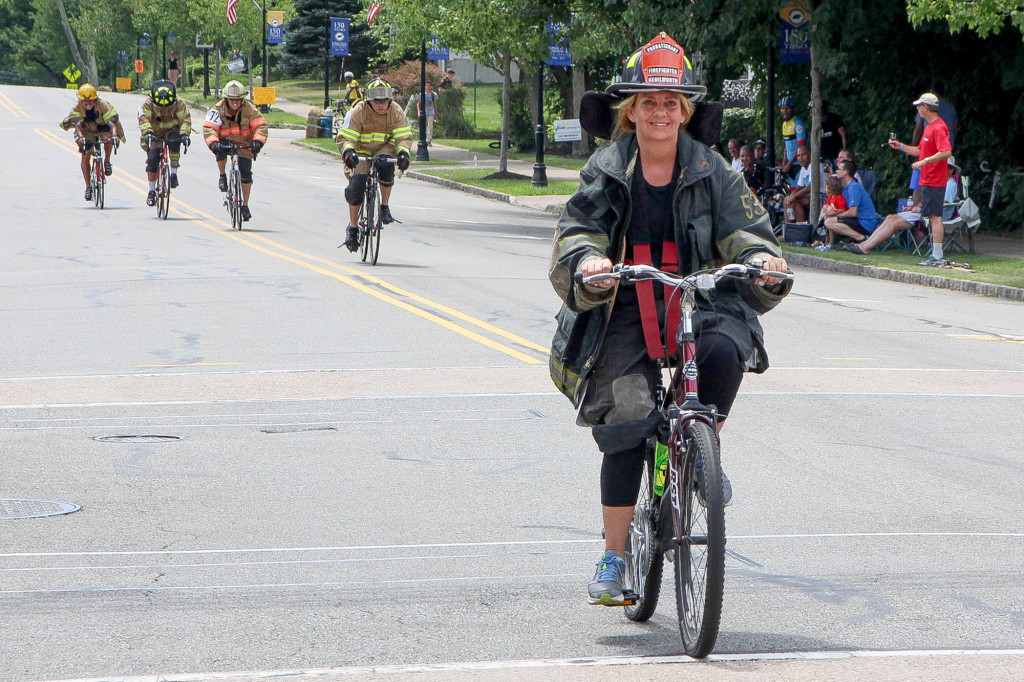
656, 349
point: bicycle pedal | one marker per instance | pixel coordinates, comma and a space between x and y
629, 597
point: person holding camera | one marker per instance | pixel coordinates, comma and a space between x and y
932, 160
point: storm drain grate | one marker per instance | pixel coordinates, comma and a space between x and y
137, 439
32, 509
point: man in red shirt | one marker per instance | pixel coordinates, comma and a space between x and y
932, 153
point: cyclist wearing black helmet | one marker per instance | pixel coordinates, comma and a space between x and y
374, 126
163, 115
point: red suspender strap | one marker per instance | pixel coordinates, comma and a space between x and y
648, 309
670, 263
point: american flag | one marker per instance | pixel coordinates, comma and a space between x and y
372, 12
230, 14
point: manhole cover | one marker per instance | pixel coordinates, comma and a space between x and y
137, 439
31, 509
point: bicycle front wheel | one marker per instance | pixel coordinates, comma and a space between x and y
236, 199
375, 232
368, 224
644, 557
163, 192
700, 540
98, 181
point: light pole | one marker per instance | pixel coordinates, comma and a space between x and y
421, 149
540, 173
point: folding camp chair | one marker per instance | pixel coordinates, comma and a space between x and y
960, 228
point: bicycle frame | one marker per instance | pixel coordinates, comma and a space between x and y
369, 212
234, 198
163, 186
97, 177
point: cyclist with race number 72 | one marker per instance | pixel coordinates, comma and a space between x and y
163, 116
654, 195
373, 127
93, 119
235, 121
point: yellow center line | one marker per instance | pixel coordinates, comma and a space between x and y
246, 239
1005, 339
9, 104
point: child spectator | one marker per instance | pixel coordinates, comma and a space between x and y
834, 203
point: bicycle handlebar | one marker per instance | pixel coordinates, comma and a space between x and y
185, 141
704, 280
231, 148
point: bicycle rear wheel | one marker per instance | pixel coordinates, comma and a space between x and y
700, 548
644, 557
163, 191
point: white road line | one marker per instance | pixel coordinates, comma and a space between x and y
502, 543
582, 662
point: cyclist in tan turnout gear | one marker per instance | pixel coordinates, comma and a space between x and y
93, 119
165, 116
234, 120
374, 126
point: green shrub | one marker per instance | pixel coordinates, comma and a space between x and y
743, 124
452, 121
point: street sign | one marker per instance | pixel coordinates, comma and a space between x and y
339, 36
72, 74
200, 45
123, 84
275, 27
265, 95
139, 66
568, 130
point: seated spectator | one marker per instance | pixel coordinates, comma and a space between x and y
797, 203
909, 218
859, 219
734, 146
750, 171
847, 155
834, 204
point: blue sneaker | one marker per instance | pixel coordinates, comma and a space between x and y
606, 587
726, 485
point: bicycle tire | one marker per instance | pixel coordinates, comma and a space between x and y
98, 200
369, 219
236, 199
163, 192
700, 541
375, 231
645, 559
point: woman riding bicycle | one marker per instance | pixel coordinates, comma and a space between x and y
374, 126
236, 121
164, 116
657, 196
93, 119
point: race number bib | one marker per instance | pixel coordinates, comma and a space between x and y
213, 116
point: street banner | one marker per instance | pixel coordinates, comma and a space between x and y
339, 36
558, 50
275, 27
795, 33
436, 51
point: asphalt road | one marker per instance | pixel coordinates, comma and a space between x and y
293, 464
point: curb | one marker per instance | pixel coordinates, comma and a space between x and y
554, 209
905, 277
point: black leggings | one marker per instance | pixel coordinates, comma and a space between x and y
719, 382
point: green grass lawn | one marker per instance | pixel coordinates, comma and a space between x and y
521, 188
483, 147
989, 269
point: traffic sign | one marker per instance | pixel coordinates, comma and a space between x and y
72, 74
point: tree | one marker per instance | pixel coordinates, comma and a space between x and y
985, 18
306, 36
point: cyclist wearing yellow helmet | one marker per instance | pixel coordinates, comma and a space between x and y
353, 91
163, 115
374, 126
93, 119
235, 120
